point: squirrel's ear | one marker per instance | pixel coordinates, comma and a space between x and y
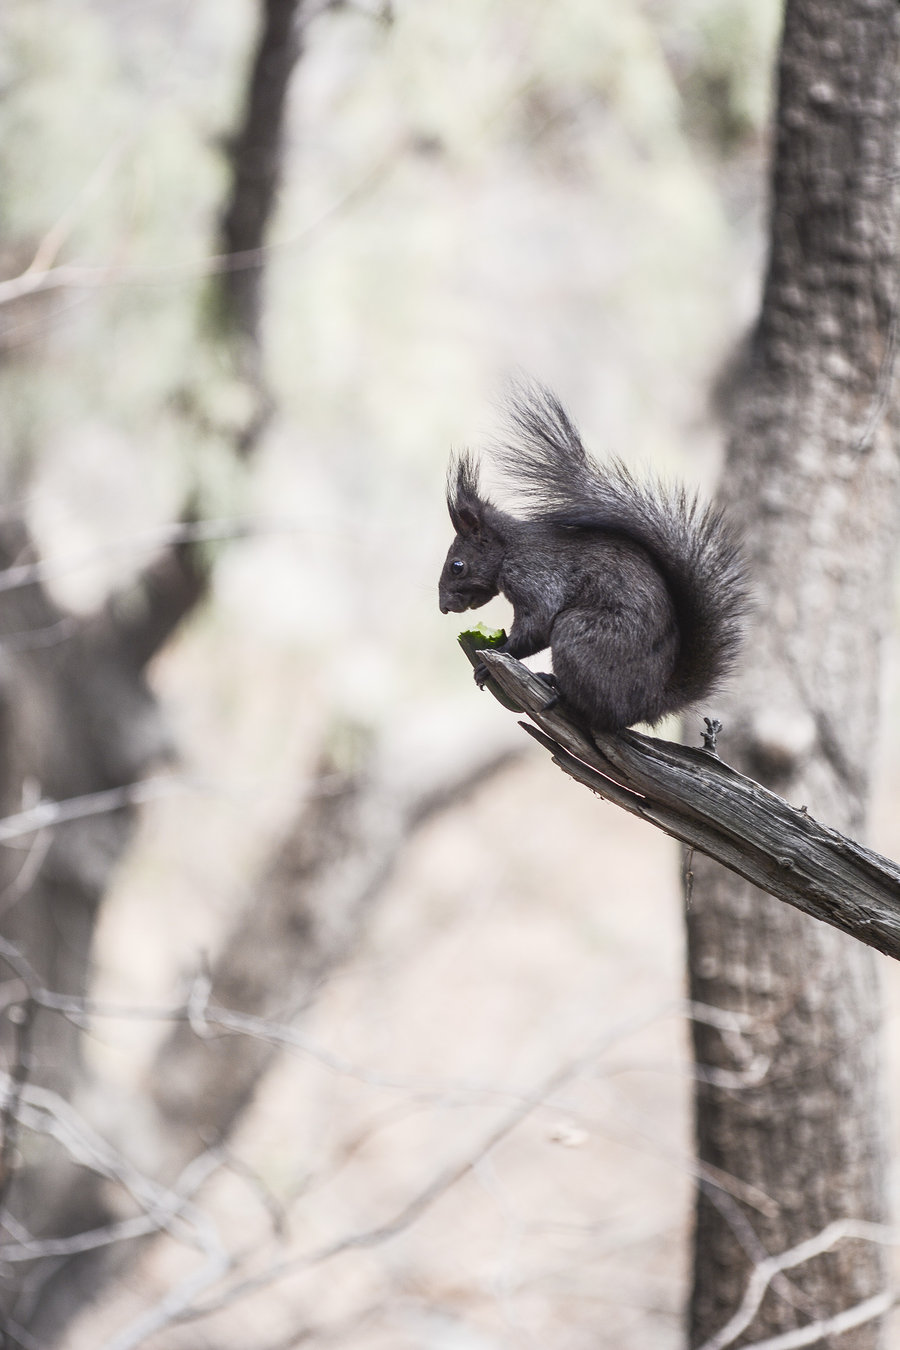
466, 520
464, 501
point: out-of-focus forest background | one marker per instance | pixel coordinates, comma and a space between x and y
572, 190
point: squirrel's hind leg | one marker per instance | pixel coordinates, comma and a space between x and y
609, 669
552, 683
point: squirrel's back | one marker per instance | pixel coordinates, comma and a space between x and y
692, 544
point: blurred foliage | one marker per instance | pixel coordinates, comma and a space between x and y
721, 58
569, 189
117, 151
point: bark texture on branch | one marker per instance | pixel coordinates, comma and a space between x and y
698, 799
812, 472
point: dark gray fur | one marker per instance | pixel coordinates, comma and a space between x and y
639, 591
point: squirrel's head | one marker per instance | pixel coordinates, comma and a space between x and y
470, 574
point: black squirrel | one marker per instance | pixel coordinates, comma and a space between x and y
639, 591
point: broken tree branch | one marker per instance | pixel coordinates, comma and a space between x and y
695, 797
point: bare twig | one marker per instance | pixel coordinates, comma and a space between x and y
815, 1333
44, 1112
163, 1208
160, 536
41, 267
307, 910
180, 1306
48, 814
765, 1271
76, 276
884, 384
204, 1017
22, 1018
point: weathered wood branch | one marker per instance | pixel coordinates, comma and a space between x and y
695, 797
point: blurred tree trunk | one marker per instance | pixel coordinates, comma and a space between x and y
304, 918
812, 472
77, 715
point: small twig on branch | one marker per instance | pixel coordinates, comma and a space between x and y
695, 797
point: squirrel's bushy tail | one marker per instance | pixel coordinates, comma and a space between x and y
692, 544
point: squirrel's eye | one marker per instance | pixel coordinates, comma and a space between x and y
457, 567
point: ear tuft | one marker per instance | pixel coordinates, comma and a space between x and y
464, 501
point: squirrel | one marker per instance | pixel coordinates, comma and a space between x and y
640, 591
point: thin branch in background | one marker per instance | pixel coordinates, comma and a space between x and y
21, 1017
734, 1028
47, 815
19, 886
764, 1271
167, 1209
168, 1312
76, 276
276, 1211
41, 266
179, 1305
884, 387
160, 536
47, 1113
172, 534
749, 1240
815, 1333
344, 1150
40, 639
163, 1209
25, 1248
204, 1017
635, 1135
18, 1338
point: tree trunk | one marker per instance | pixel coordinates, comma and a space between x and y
811, 471
77, 714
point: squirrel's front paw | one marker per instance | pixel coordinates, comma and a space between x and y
482, 674
553, 685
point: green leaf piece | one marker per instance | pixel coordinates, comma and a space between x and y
479, 639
